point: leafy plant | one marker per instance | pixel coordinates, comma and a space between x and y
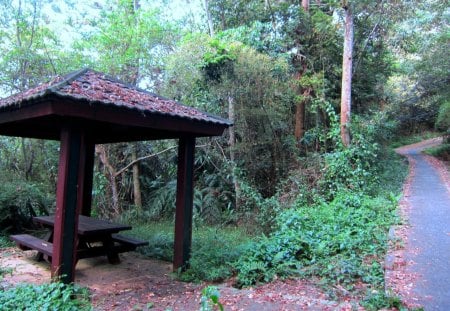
52, 296
213, 249
378, 300
19, 202
213, 254
210, 299
339, 241
443, 118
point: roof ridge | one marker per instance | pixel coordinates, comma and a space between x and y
67, 79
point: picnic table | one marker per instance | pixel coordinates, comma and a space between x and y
95, 238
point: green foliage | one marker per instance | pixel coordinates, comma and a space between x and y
213, 249
380, 300
353, 167
19, 202
213, 254
442, 151
4, 271
29, 50
127, 42
401, 140
443, 118
339, 241
53, 296
210, 299
160, 238
5, 241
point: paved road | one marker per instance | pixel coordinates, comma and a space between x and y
429, 237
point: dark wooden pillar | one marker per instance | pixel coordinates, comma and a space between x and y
184, 203
87, 175
71, 163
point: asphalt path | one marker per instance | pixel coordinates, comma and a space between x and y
429, 237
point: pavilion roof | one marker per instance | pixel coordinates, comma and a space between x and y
100, 99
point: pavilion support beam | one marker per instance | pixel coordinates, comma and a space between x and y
71, 162
86, 176
184, 203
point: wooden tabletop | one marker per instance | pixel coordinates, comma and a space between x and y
87, 225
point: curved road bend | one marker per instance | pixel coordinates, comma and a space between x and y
429, 235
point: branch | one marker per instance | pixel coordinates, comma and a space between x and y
122, 170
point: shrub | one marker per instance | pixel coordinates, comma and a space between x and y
350, 168
213, 254
443, 118
338, 241
53, 296
19, 202
213, 249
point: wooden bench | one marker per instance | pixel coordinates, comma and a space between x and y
29, 242
128, 242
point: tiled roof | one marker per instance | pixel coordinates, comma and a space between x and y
98, 88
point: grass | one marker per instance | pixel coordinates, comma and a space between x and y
442, 152
214, 249
5, 241
415, 138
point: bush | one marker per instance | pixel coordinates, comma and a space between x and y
443, 118
339, 241
350, 168
19, 202
213, 249
213, 254
441, 151
53, 296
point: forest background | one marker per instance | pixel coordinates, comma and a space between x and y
284, 192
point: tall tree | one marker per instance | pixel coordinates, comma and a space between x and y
209, 18
300, 108
29, 51
347, 62
129, 42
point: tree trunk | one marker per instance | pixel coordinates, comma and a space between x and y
232, 144
111, 176
209, 17
300, 120
305, 5
136, 183
347, 62
300, 108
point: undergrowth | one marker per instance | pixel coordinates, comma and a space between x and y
342, 237
412, 139
214, 250
340, 241
52, 296
442, 152
5, 241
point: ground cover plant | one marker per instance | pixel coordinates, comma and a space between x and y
340, 238
45, 297
214, 249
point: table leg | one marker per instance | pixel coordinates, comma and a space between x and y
49, 238
113, 256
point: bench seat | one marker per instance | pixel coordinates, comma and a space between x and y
128, 240
29, 242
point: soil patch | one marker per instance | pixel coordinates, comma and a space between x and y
139, 283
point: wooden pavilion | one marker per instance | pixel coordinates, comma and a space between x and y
85, 108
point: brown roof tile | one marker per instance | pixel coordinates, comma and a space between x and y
98, 88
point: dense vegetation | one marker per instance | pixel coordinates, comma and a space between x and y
280, 194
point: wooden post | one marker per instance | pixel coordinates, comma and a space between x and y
87, 175
184, 203
71, 162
